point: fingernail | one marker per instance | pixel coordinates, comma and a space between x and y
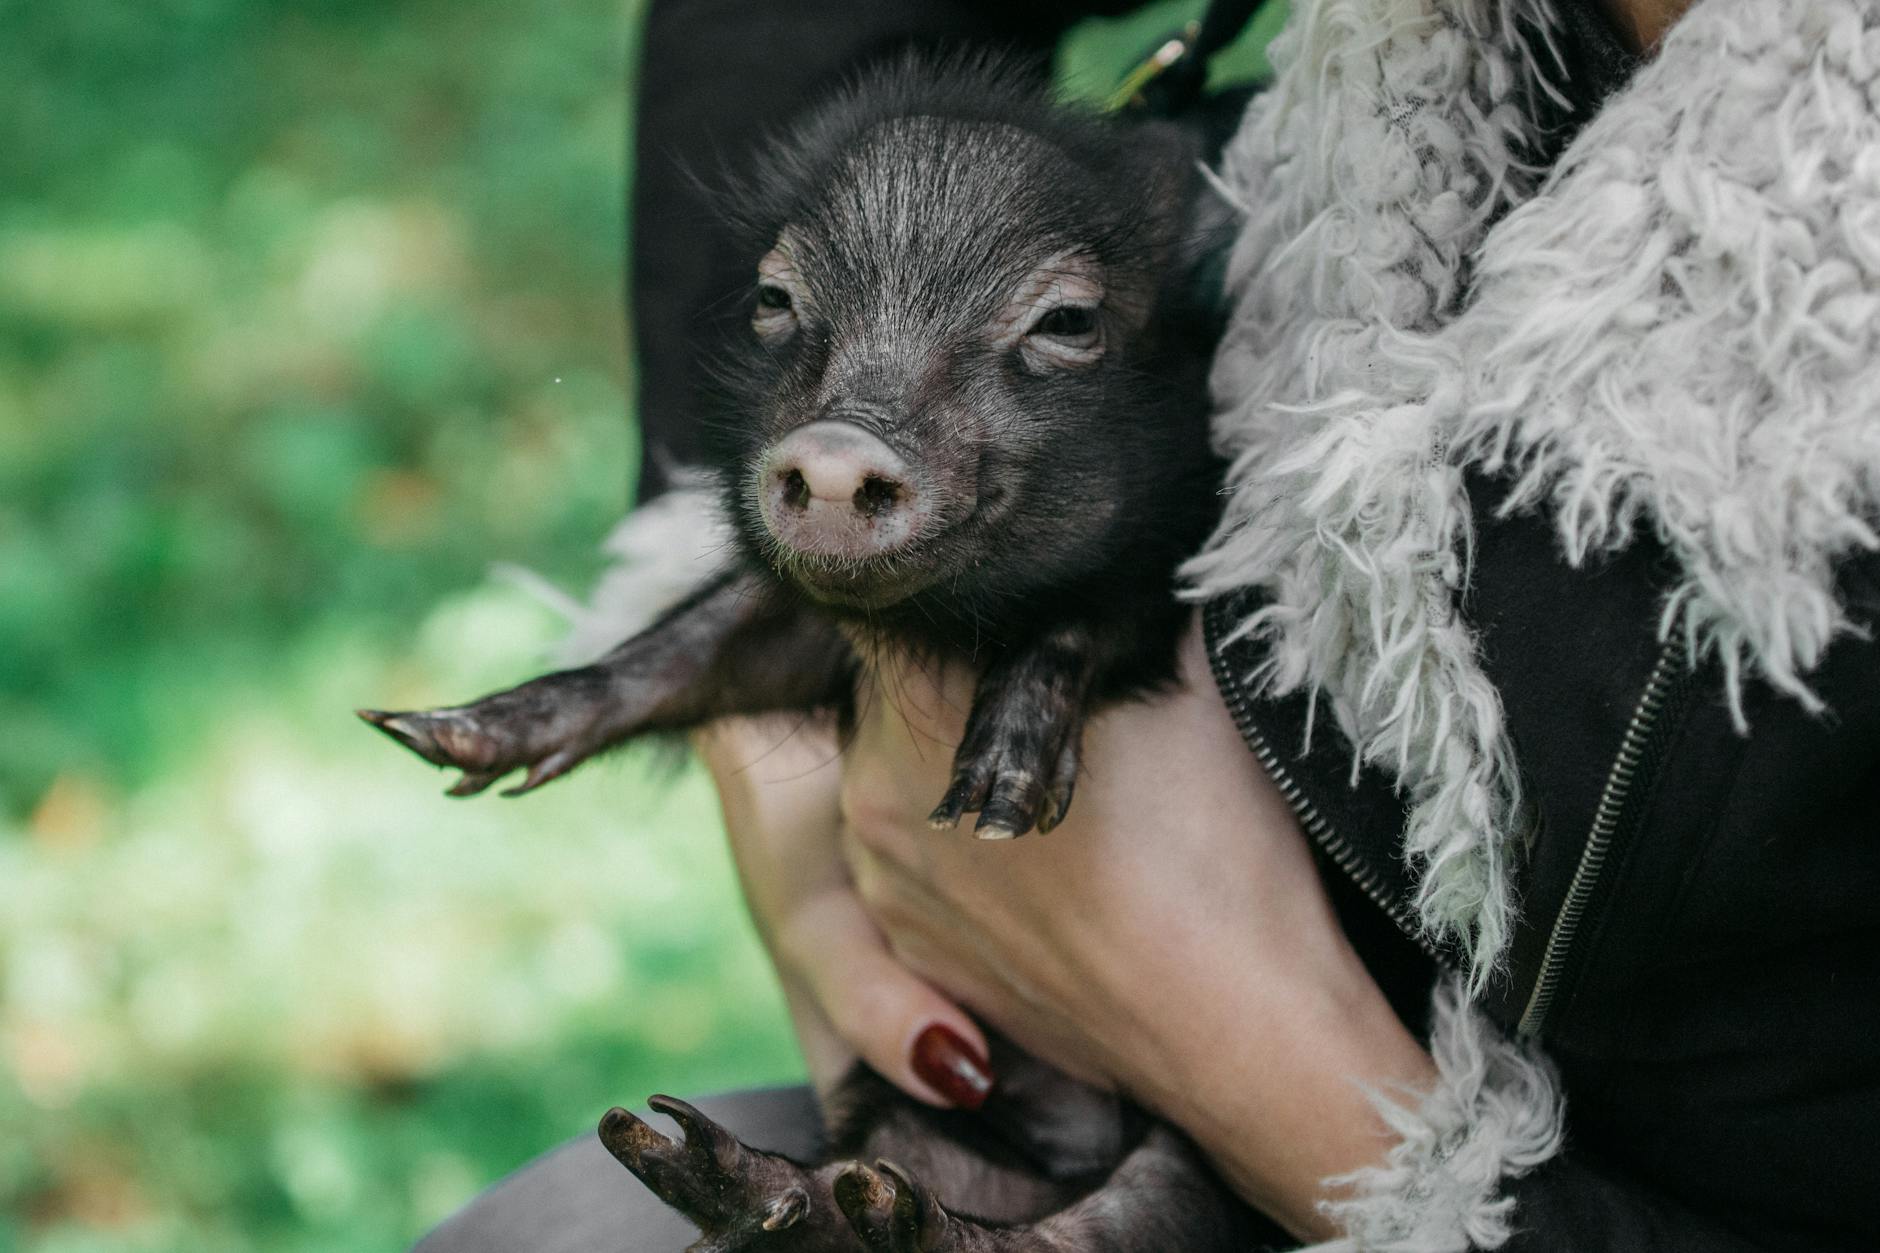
950, 1066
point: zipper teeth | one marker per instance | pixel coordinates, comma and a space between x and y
1612, 800
1315, 824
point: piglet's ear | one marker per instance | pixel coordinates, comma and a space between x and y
1191, 220
1162, 155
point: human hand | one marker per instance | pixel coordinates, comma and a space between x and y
1172, 937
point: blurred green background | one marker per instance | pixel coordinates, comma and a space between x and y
308, 314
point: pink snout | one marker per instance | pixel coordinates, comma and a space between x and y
832, 490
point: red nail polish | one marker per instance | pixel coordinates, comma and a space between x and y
950, 1066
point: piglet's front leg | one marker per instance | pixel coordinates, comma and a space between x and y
1017, 764
738, 645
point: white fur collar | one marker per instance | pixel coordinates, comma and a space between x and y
1679, 329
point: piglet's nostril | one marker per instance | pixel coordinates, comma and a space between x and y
796, 491
875, 495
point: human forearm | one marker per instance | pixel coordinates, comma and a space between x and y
847, 995
1271, 1078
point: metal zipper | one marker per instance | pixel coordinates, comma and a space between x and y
1317, 828
1623, 781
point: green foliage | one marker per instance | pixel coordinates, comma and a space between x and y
308, 313
286, 996
1096, 55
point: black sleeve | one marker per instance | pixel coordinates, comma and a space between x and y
1571, 1205
715, 76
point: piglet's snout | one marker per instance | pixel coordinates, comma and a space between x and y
830, 489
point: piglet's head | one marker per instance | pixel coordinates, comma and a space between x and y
957, 368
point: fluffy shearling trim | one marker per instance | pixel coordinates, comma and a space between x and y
661, 551
1391, 138
1495, 1113
1682, 331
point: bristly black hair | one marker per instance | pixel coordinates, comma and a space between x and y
968, 84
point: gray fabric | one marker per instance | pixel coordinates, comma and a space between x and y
578, 1199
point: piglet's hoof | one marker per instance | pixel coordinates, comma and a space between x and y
548, 727
889, 1211
1016, 781
732, 1193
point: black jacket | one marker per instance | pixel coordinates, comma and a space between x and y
1699, 938
1698, 946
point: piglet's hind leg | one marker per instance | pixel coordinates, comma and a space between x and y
734, 1194
1160, 1199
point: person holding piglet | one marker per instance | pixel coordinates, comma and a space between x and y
1529, 667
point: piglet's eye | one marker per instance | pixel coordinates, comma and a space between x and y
1065, 335
1055, 316
1072, 322
780, 294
